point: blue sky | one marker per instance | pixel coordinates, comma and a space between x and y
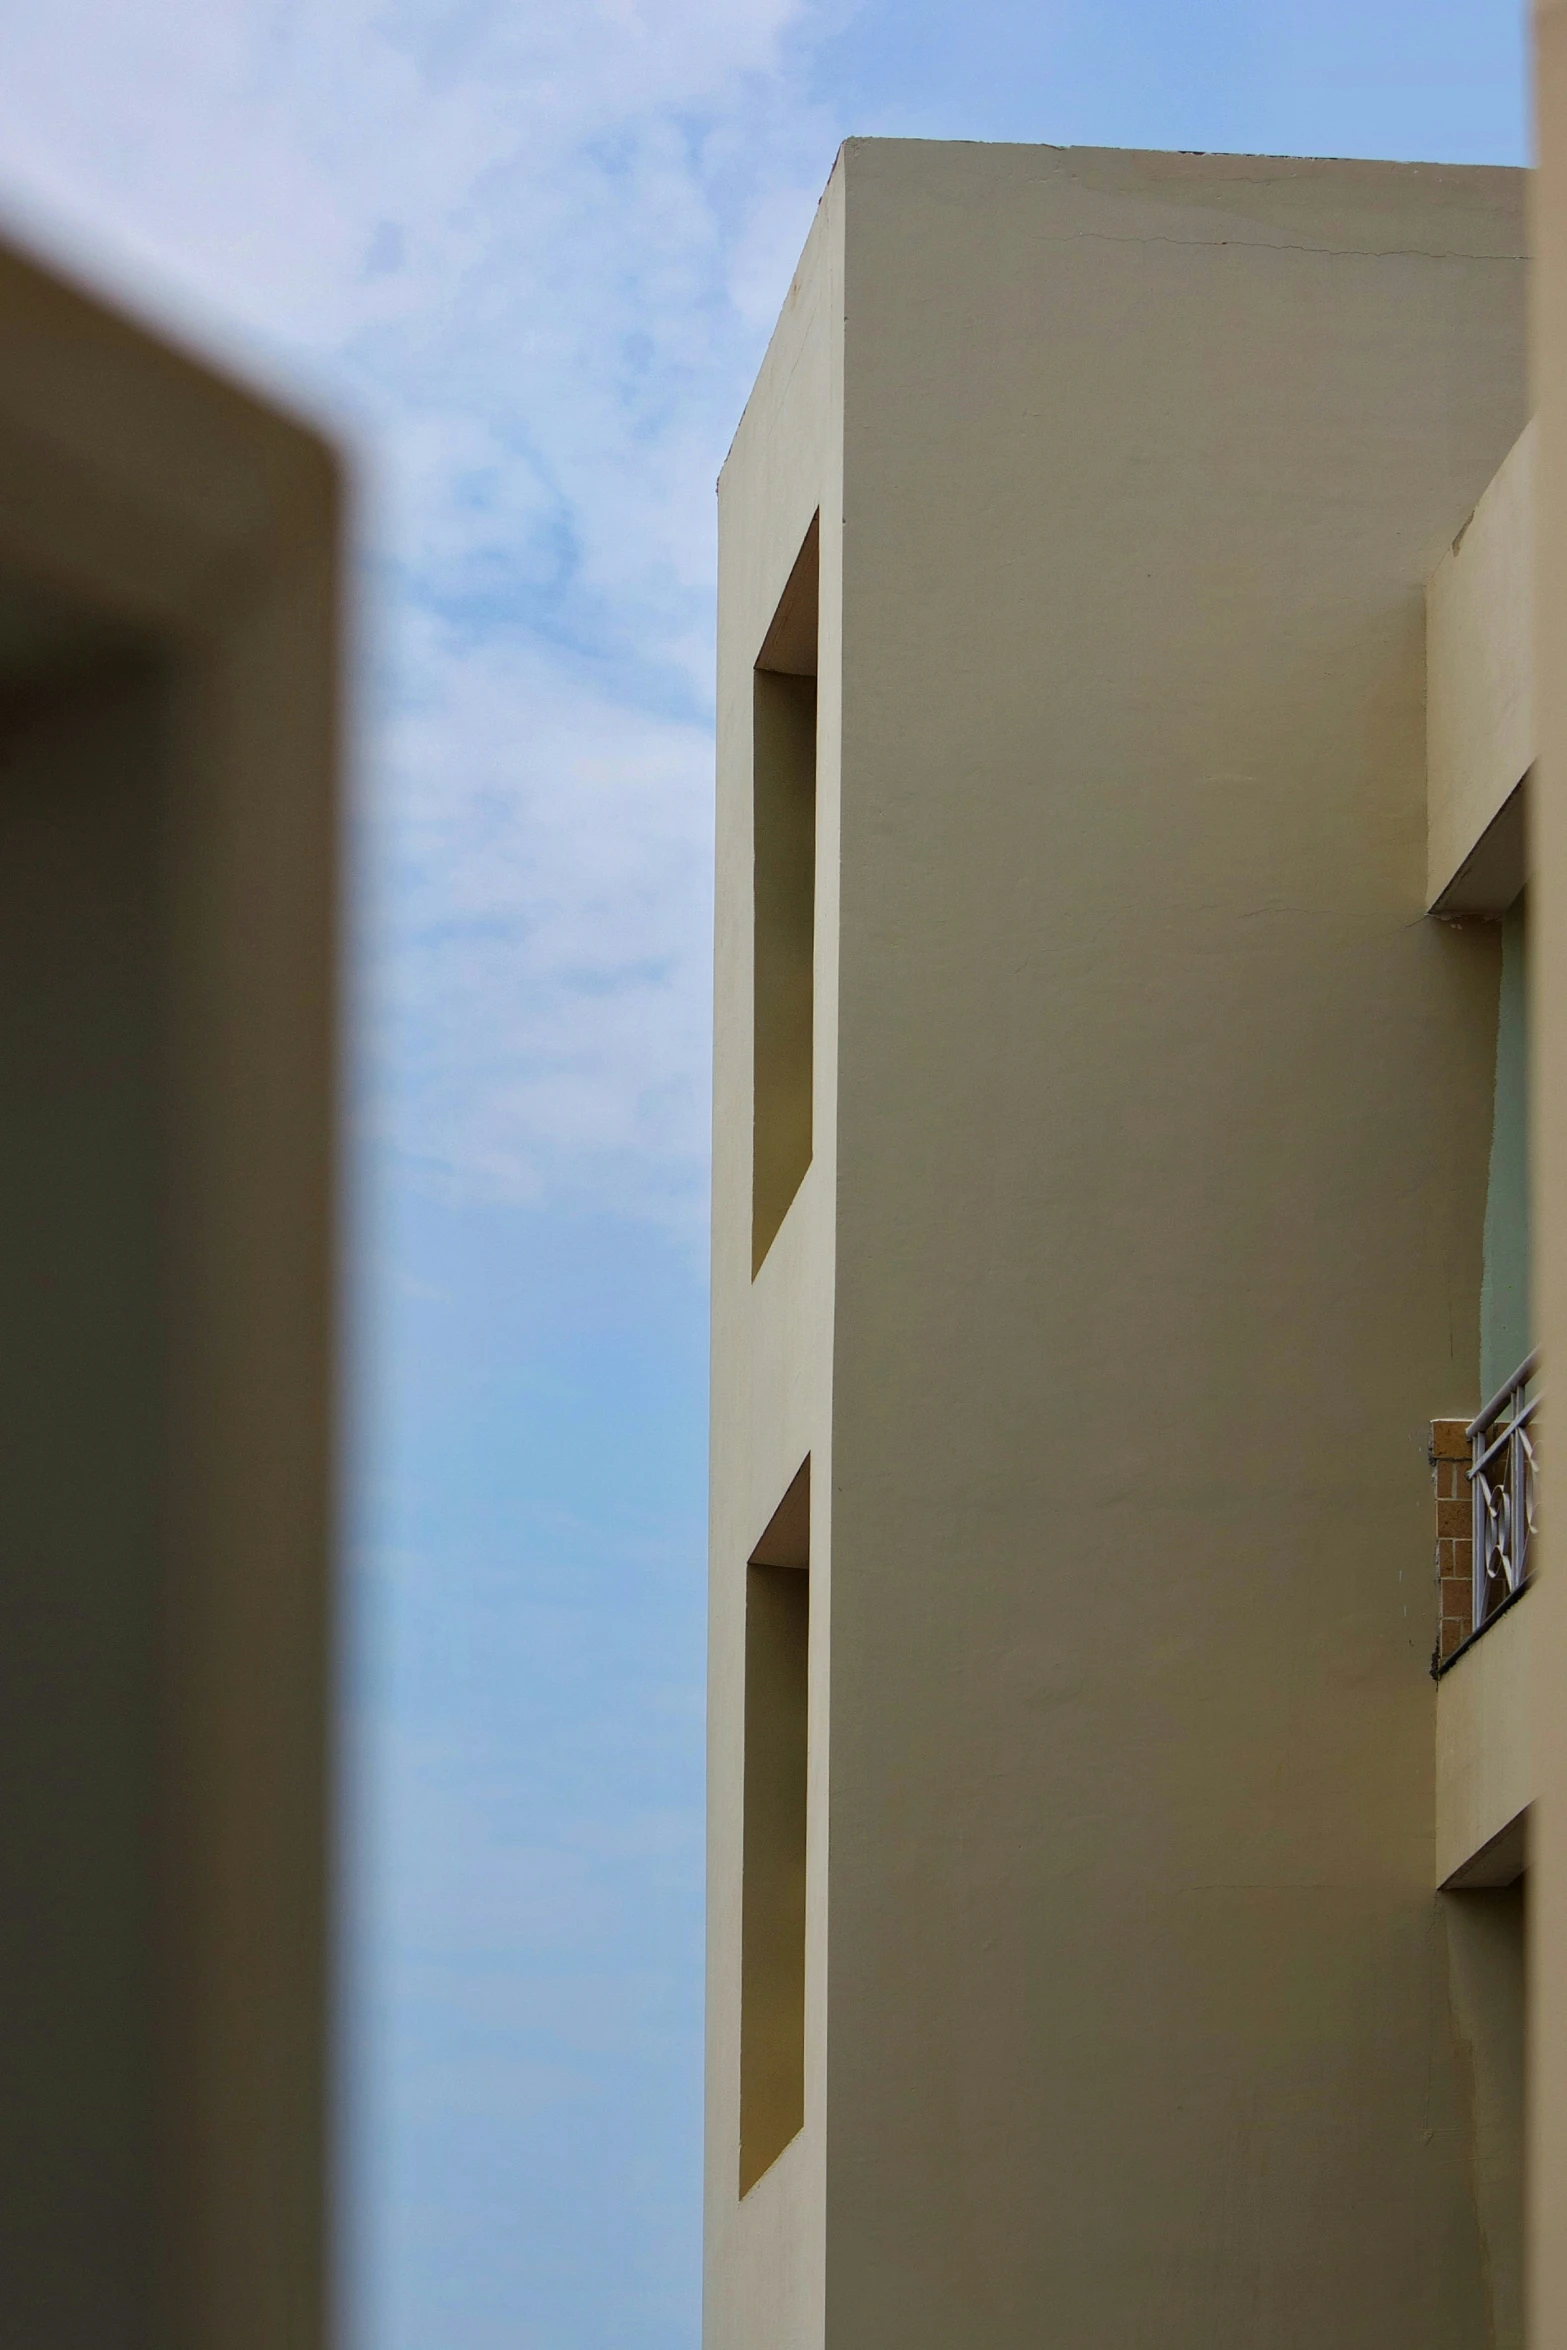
524, 254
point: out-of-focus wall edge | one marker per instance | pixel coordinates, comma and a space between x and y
253, 1048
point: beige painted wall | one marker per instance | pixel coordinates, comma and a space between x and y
772, 1335
1143, 1230
1480, 671
1548, 1906
1484, 1760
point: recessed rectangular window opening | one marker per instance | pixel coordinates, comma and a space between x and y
772, 1922
1487, 1935
783, 736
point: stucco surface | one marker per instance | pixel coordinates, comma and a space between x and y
1480, 668
1548, 1871
772, 1334
1484, 1761
1162, 1126
1140, 1246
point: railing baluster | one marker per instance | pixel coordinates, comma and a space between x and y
1501, 1483
1514, 1513
1480, 1539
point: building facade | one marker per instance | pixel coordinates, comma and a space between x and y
1121, 1215
1547, 1662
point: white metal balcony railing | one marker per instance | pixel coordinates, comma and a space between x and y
1504, 1459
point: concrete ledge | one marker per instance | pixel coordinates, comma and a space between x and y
1479, 681
1497, 867
1483, 1775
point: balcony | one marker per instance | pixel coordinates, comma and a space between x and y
1485, 1472
1502, 1484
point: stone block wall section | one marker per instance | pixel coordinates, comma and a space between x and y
1454, 1537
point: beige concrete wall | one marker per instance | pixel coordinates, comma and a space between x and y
1484, 1759
1144, 1228
772, 1334
1548, 1904
1479, 677
168, 807
1161, 1143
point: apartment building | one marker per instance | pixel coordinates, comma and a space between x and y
1546, 2067
168, 827
1126, 1289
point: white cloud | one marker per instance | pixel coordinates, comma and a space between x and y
534, 251
545, 909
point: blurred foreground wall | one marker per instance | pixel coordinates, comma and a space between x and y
168, 888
